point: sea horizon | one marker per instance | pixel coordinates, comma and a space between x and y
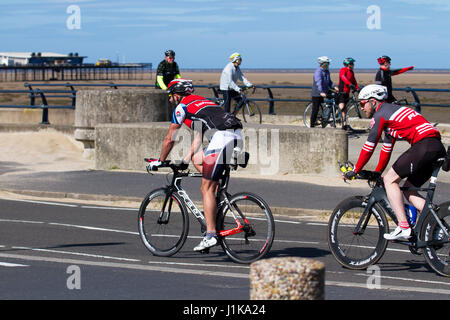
309, 70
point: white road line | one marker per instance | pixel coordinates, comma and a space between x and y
210, 273
408, 279
7, 264
62, 204
43, 202
108, 208
76, 253
126, 266
21, 221
388, 287
199, 264
92, 228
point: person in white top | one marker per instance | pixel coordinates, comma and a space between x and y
228, 80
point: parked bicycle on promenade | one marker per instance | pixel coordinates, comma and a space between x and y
356, 119
330, 114
357, 225
245, 225
250, 109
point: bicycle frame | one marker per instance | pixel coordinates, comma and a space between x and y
175, 186
379, 195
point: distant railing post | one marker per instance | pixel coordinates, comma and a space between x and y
44, 108
271, 103
416, 104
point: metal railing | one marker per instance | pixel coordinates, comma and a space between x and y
70, 89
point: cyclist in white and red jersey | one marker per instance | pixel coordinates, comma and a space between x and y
223, 130
399, 122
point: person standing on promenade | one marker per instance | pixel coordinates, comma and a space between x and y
321, 84
167, 70
228, 80
384, 74
347, 82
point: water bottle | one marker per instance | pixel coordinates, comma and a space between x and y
411, 213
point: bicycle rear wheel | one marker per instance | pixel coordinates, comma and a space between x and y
307, 116
163, 222
251, 112
357, 119
256, 239
351, 250
437, 256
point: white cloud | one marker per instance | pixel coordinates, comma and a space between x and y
346, 7
441, 5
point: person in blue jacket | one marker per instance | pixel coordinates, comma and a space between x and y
321, 84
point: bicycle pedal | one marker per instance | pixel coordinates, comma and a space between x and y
204, 251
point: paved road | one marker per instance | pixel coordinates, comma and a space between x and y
39, 241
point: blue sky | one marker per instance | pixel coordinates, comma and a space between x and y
203, 33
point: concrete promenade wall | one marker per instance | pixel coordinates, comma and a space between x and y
274, 149
117, 106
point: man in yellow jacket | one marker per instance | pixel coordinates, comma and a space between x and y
167, 70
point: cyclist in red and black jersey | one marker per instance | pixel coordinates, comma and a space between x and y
347, 82
384, 74
399, 122
223, 130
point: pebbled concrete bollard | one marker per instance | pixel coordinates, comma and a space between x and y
117, 106
288, 278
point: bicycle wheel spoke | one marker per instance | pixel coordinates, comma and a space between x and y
356, 250
162, 229
437, 256
256, 229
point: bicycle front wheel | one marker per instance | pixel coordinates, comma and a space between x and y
307, 116
357, 119
251, 112
163, 222
437, 255
255, 238
357, 250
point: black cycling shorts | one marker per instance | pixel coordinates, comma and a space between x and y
416, 162
343, 97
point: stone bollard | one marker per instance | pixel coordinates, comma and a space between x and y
116, 106
289, 278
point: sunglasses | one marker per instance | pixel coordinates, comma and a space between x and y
362, 103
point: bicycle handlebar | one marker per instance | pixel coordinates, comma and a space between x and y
168, 164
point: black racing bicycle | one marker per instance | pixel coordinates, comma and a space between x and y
328, 113
250, 109
245, 224
357, 225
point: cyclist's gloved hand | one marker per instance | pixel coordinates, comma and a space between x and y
153, 164
350, 175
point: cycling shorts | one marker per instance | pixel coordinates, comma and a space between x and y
343, 97
417, 162
218, 153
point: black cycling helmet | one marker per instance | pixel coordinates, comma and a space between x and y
384, 59
180, 86
170, 53
348, 61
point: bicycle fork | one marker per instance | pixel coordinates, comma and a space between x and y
246, 227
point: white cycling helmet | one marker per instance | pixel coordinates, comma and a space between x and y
235, 56
323, 59
375, 91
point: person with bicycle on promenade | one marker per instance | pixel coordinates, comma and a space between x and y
224, 131
398, 122
228, 81
321, 85
384, 75
347, 82
167, 70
